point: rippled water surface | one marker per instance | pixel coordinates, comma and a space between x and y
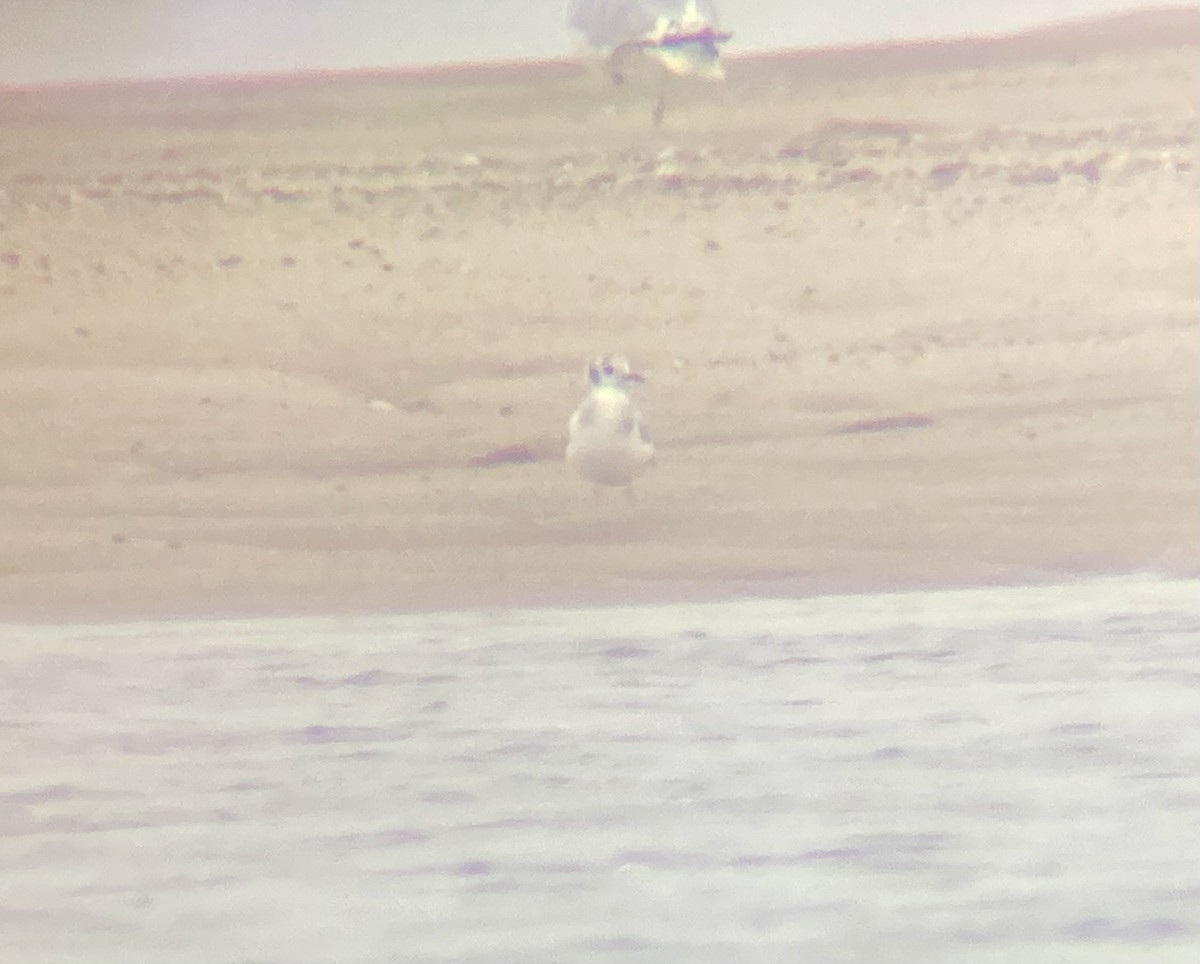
983, 775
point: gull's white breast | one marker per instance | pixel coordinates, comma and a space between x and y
608, 442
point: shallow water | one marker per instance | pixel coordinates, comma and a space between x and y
984, 775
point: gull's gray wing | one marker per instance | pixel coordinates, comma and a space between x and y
609, 23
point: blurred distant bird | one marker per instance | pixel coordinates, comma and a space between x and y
680, 35
608, 442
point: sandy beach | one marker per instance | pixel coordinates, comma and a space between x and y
911, 316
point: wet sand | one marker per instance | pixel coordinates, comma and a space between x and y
990, 775
912, 316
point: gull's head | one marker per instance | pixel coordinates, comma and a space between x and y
611, 371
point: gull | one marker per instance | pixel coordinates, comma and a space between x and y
608, 443
680, 36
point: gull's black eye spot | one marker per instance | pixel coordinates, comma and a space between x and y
608, 369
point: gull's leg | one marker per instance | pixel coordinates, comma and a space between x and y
660, 108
